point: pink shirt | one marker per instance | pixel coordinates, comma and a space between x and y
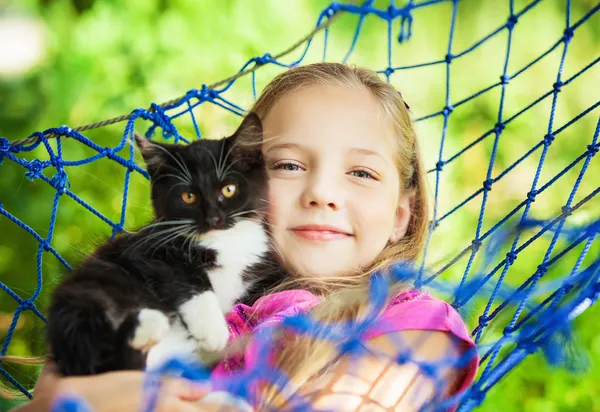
408, 310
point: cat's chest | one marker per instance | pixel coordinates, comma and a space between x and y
237, 248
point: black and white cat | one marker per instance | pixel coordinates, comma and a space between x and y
172, 281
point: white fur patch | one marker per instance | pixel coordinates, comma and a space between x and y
205, 321
153, 325
238, 248
177, 343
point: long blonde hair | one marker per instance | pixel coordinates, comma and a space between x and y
302, 357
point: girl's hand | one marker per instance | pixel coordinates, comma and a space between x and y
115, 391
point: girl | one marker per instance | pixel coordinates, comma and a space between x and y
346, 199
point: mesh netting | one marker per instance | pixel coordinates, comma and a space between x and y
522, 273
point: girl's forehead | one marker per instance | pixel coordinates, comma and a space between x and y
330, 116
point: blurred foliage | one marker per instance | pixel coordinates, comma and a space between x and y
105, 58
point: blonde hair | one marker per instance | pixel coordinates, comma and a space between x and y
303, 357
13, 394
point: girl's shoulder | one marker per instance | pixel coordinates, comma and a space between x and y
408, 310
418, 310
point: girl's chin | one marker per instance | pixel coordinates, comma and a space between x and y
321, 268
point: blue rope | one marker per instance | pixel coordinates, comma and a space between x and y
534, 315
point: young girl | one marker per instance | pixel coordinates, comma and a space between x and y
346, 199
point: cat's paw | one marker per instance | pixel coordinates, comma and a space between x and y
152, 326
205, 321
213, 334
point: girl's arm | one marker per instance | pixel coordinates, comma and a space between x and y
377, 382
114, 391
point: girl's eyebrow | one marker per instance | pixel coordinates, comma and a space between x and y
283, 146
367, 152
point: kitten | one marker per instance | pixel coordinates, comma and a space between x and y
173, 280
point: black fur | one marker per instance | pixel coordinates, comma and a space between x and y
93, 313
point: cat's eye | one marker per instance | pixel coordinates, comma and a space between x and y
229, 191
188, 197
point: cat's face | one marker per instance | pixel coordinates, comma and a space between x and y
209, 183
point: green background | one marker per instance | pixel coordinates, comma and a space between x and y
105, 58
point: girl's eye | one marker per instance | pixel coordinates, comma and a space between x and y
289, 167
363, 174
188, 197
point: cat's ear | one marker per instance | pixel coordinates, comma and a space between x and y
152, 152
247, 139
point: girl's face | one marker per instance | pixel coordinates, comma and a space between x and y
334, 187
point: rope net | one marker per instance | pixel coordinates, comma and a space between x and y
517, 255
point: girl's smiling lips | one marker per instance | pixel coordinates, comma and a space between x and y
320, 233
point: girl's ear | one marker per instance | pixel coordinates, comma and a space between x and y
402, 219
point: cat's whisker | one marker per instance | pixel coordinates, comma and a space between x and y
153, 235
168, 239
233, 164
266, 201
245, 212
213, 159
181, 166
175, 186
190, 239
187, 171
224, 161
168, 222
181, 178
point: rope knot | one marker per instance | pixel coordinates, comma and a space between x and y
27, 305
508, 330
447, 110
264, 59
510, 258
542, 269
163, 121
483, 321
440, 165
512, 20
593, 148
448, 58
504, 79
403, 358
4, 146
487, 184
391, 11
549, 138
389, 71
566, 211
476, 244
206, 93
499, 127
568, 34
45, 245
64, 131
557, 86
531, 196
330, 11
352, 346
60, 182
35, 169
433, 225
428, 369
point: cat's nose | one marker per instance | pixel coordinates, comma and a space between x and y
214, 221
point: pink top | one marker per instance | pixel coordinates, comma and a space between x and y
408, 310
